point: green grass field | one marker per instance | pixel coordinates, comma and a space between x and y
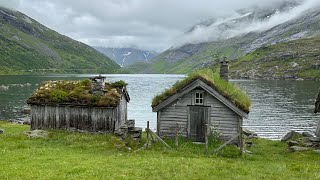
71, 155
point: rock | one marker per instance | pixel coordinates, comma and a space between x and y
26, 111
131, 123
4, 88
307, 134
290, 136
248, 152
136, 133
37, 134
292, 143
1, 131
27, 122
314, 139
21, 120
298, 148
308, 144
317, 151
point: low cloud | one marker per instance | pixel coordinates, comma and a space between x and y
214, 32
146, 24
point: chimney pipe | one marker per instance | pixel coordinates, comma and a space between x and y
224, 69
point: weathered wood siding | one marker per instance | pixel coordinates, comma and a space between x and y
176, 112
223, 119
92, 119
121, 111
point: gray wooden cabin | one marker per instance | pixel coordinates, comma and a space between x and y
80, 116
195, 106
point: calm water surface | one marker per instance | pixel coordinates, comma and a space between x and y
277, 106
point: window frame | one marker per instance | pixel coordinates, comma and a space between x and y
199, 98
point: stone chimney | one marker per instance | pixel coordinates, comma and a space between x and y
224, 69
97, 85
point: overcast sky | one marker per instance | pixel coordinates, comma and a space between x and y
146, 24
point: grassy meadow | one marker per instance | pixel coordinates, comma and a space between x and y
72, 155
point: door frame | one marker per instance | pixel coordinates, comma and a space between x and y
207, 120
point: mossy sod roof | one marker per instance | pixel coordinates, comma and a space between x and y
234, 94
76, 93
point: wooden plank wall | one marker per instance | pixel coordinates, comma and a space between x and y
65, 117
176, 112
121, 111
223, 119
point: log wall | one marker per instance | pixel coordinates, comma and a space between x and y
93, 119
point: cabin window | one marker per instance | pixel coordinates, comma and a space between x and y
198, 98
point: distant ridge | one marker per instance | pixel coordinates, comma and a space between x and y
29, 47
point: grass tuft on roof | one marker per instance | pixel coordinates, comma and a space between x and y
211, 78
76, 93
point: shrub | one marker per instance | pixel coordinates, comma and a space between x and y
58, 95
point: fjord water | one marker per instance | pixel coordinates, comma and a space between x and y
277, 106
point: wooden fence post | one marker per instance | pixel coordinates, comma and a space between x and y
206, 137
147, 134
177, 134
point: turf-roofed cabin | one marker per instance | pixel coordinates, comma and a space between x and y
90, 105
202, 100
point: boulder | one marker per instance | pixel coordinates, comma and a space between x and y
1, 131
292, 135
298, 148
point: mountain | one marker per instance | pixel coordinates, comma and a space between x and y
127, 56
236, 37
288, 60
29, 47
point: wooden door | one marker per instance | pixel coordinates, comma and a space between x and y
198, 117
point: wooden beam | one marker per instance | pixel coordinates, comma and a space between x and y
226, 143
160, 139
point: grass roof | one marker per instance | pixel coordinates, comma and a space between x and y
77, 93
234, 94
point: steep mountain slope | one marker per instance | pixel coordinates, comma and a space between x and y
29, 47
290, 60
127, 56
231, 38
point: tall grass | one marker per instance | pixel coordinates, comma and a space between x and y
227, 89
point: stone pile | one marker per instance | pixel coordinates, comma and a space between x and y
301, 142
21, 120
129, 130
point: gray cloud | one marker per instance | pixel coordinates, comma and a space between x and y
147, 24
